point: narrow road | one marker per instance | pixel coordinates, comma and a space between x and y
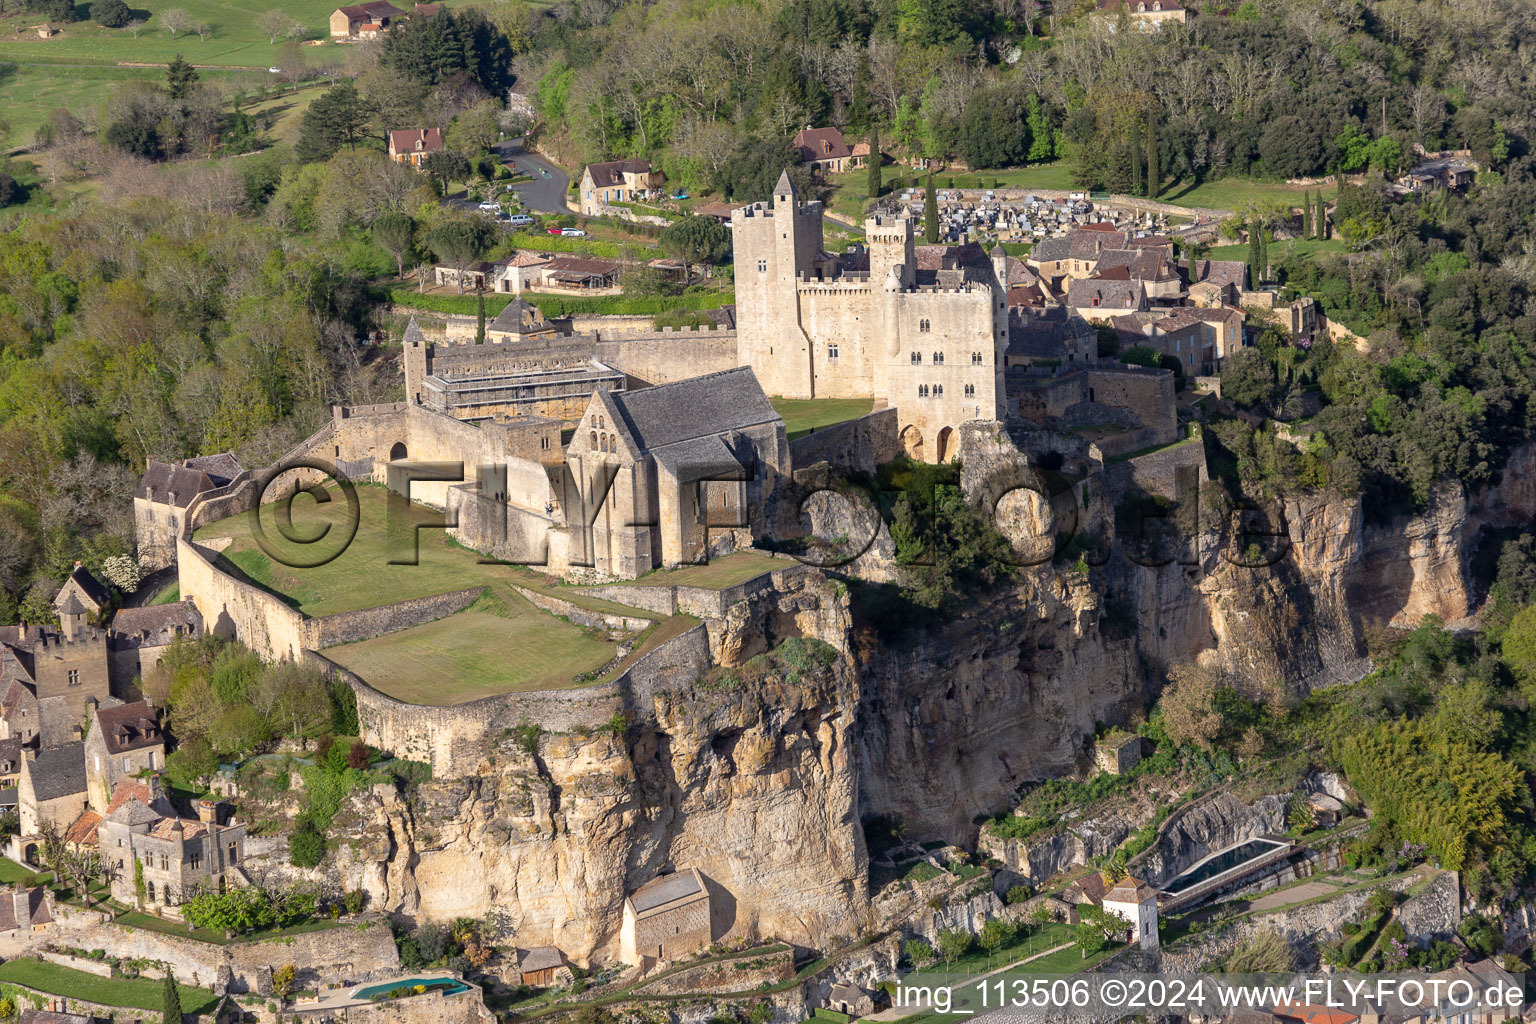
542, 194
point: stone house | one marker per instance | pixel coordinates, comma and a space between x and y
1209, 294
176, 856
1118, 752
539, 964
85, 589
1170, 332
476, 275
1098, 301
365, 20
849, 999
46, 31
824, 150
1299, 316
10, 763
1135, 902
123, 741
617, 181
1147, 15
673, 468
51, 678
1051, 336
413, 145
1450, 173
137, 638
51, 791
24, 910
1223, 326
582, 273
1071, 257
665, 918
165, 491
1158, 275
519, 272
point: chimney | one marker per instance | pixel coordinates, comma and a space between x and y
208, 812
21, 902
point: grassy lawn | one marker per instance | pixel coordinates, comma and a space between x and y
233, 39
286, 113
170, 595
128, 993
1233, 193
1278, 250
562, 305
11, 873
478, 653
361, 576
720, 573
149, 922
29, 93
802, 415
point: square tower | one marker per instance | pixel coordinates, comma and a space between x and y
774, 245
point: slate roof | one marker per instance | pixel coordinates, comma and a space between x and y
37, 913
1045, 337
665, 889
1232, 272
510, 319
372, 10
50, 1017
129, 727
1130, 890
693, 408
221, 467
540, 958
1051, 249
1212, 314
10, 753
404, 141
821, 144
1105, 294
724, 317
156, 625
162, 479
72, 605
88, 585
612, 172
58, 771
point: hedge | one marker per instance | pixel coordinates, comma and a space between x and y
563, 305
561, 243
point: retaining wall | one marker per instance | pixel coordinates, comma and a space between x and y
857, 446
579, 615
367, 623
466, 1007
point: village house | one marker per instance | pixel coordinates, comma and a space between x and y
51, 678
174, 856
1448, 173
23, 911
123, 740
1169, 332
1147, 15
413, 145
579, 272
849, 999
617, 181
825, 151
165, 491
51, 792
1097, 301
520, 271
665, 918
86, 590
364, 21
1135, 902
1158, 275
1051, 336
1223, 330
1071, 257
539, 965
137, 638
475, 276
10, 771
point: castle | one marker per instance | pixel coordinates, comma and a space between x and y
927, 340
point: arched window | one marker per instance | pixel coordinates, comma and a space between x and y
938, 359
922, 391
975, 358
970, 391
938, 390
917, 357
922, 325
595, 445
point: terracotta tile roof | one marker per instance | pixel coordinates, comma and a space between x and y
83, 831
130, 789
372, 11
1102, 225
170, 828
1305, 1013
405, 140
1130, 890
524, 258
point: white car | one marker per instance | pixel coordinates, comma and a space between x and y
274, 71
519, 219
490, 207
573, 233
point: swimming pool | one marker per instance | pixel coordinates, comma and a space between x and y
453, 986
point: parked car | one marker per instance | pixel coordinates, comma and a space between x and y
274, 71
573, 232
490, 207
519, 219
679, 194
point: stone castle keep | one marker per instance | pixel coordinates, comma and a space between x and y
927, 341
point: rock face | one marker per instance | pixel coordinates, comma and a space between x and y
1209, 824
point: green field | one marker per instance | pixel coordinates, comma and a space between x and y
1278, 250
477, 653
29, 93
233, 40
127, 993
718, 574
1234, 194
802, 415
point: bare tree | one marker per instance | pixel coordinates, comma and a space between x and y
177, 20
134, 26
272, 23
203, 29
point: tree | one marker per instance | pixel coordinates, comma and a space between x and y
1264, 951
1187, 706
694, 239
930, 214
431, 50
276, 24
306, 846
480, 316
917, 951
459, 243
171, 997
1253, 257
395, 233
338, 118
952, 944
873, 185
111, 13
1247, 378
177, 20
1154, 177
995, 934
180, 76
447, 165
476, 129
282, 980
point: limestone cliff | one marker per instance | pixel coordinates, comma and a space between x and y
749, 776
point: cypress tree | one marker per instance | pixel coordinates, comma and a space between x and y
874, 162
1253, 257
1136, 182
172, 997
480, 325
1154, 182
1263, 252
1320, 220
1306, 214
930, 214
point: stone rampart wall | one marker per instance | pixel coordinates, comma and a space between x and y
582, 616
235, 609
1167, 471
660, 358
366, 623
466, 1007
857, 446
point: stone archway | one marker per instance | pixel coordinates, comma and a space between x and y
946, 452
912, 441
397, 451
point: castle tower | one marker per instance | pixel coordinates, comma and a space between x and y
415, 359
773, 245
891, 250
72, 618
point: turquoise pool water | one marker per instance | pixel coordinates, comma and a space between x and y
1225, 861
389, 986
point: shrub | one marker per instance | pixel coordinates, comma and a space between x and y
1018, 894
306, 847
